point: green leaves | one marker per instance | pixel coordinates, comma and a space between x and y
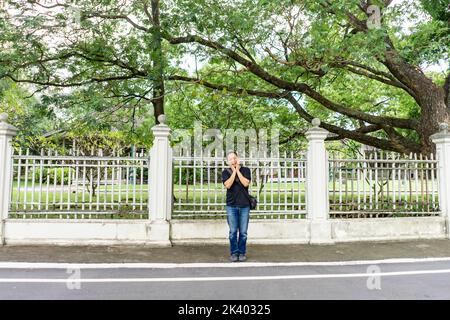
301, 42
438, 9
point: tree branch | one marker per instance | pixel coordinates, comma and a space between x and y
219, 87
117, 17
300, 87
398, 139
57, 4
146, 10
355, 135
359, 134
410, 76
75, 84
393, 83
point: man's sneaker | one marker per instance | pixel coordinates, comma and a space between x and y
234, 258
242, 257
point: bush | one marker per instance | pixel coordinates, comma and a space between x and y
138, 174
187, 176
48, 174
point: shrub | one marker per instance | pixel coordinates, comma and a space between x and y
48, 174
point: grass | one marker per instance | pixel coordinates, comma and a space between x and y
275, 197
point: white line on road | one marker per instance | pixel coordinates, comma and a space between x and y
38, 265
251, 278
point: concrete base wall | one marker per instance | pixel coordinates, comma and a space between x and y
388, 229
126, 232
86, 232
259, 231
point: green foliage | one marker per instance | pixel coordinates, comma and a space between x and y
296, 41
30, 117
186, 175
438, 9
52, 175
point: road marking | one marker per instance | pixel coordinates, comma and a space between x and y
247, 278
38, 265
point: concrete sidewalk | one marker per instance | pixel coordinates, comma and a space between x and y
219, 253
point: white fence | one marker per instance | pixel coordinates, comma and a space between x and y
79, 186
277, 183
94, 186
383, 185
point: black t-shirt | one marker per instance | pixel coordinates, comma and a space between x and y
235, 195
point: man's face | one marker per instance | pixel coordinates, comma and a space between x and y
232, 159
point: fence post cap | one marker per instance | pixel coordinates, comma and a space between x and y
6, 128
443, 127
3, 117
162, 119
161, 130
316, 132
443, 135
315, 122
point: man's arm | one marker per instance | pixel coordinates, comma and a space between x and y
229, 182
245, 182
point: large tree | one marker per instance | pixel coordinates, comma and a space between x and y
326, 58
89, 47
304, 48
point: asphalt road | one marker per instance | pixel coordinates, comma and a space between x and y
384, 279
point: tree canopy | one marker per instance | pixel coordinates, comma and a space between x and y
358, 65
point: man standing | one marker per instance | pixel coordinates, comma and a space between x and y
237, 179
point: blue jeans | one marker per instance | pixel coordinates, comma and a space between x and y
237, 218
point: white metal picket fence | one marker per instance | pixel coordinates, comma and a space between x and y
277, 183
76, 186
383, 185
79, 186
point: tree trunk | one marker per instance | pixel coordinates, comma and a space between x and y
430, 97
158, 63
434, 112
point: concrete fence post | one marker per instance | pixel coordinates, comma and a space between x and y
7, 132
442, 141
160, 185
317, 203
